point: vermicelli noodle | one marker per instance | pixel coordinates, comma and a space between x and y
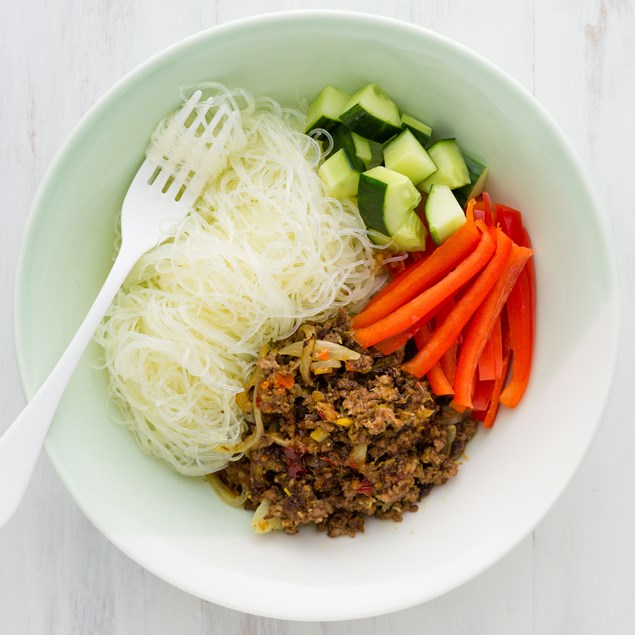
262, 251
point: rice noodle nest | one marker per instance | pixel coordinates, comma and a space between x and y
263, 250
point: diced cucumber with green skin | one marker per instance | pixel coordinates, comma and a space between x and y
377, 155
478, 178
443, 213
339, 175
325, 109
406, 155
420, 130
452, 170
343, 139
370, 152
378, 238
364, 150
385, 199
411, 235
371, 114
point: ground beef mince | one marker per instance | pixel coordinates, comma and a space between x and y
362, 439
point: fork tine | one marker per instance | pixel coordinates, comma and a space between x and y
199, 120
194, 185
180, 176
177, 176
188, 107
219, 115
165, 175
209, 129
145, 172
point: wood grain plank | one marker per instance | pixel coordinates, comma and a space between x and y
584, 548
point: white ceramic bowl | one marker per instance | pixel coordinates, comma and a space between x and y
175, 526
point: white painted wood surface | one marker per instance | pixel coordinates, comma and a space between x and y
576, 572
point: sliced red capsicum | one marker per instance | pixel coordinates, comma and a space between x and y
483, 323
420, 276
429, 300
520, 313
488, 415
460, 315
448, 359
439, 383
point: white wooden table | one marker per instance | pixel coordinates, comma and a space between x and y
576, 572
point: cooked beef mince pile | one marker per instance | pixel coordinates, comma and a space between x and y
359, 438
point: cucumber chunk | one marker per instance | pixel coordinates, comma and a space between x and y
380, 239
385, 199
370, 152
372, 114
406, 155
324, 110
420, 130
343, 139
411, 235
452, 170
478, 177
364, 153
443, 213
339, 175
362, 148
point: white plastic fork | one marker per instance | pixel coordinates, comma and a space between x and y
157, 198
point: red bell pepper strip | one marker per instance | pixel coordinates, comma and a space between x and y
425, 303
483, 321
521, 309
391, 344
469, 210
479, 214
490, 366
421, 276
511, 221
483, 210
492, 410
497, 347
519, 312
439, 383
488, 416
482, 393
486, 363
443, 337
448, 360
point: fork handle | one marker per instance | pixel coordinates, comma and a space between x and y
21, 444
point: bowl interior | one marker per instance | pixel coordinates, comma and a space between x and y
175, 526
